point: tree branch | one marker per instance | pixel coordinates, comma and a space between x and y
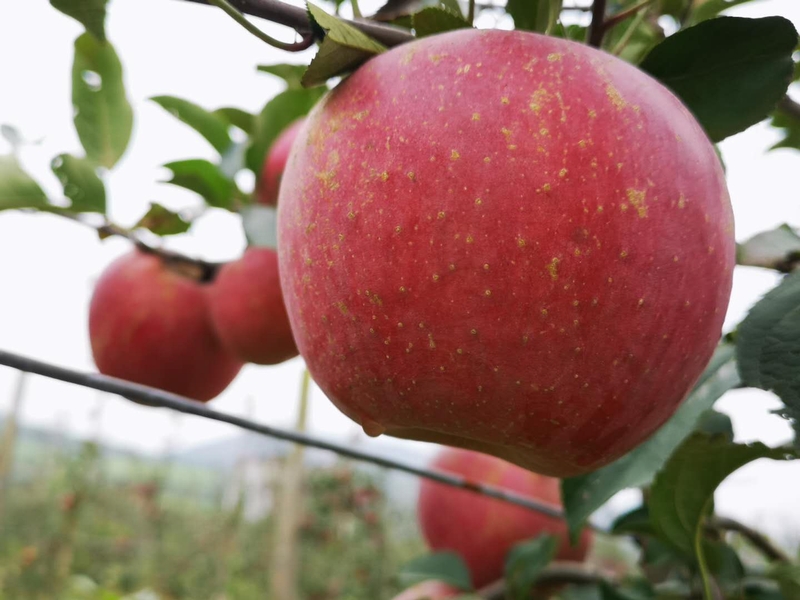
596, 28
557, 572
297, 18
150, 396
756, 538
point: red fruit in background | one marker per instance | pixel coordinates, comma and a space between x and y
483, 530
506, 242
247, 309
429, 590
275, 163
149, 324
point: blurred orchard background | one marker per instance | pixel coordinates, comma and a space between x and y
99, 489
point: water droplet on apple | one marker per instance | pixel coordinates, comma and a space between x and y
371, 428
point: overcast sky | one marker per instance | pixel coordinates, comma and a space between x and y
48, 265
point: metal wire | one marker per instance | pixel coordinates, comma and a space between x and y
158, 398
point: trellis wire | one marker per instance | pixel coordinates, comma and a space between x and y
157, 398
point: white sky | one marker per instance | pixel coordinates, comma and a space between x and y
47, 264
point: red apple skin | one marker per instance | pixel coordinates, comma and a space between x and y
247, 309
506, 242
275, 163
150, 325
483, 530
429, 590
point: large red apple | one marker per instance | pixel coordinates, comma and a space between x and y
275, 163
507, 242
429, 590
247, 309
149, 324
482, 530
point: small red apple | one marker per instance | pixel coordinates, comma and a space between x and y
483, 530
275, 163
247, 309
149, 324
507, 242
429, 590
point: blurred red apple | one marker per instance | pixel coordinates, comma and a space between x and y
429, 590
149, 324
483, 530
507, 242
275, 163
247, 309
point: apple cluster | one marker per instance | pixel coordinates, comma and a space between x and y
186, 327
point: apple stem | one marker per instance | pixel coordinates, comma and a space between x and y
356, 10
471, 12
596, 28
305, 43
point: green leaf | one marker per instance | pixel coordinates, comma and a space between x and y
580, 592
89, 13
762, 590
790, 128
291, 74
448, 567
788, 578
768, 343
343, 49
204, 178
237, 117
584, 494
78, 177
17, 188
534, 15
729, 71
713, 422
260, 224
777, 249
639, 589
434, 20
103, 116
212, 127
276, 115
723, 563
683, 492
162, 221
525, 562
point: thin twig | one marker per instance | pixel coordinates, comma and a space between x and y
230, 10
626, 37
622, 15
158, 398
756, 538
596, 28
557, 572
297, 18
109, 229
